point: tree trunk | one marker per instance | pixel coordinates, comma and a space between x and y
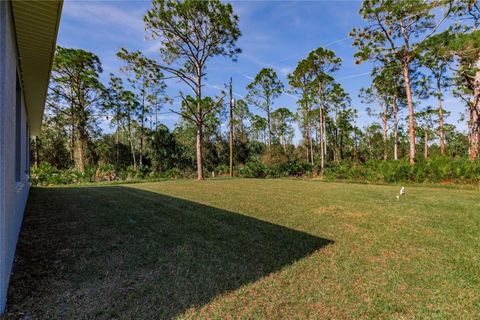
440, 117
269, 129
311, 147
474, 132
369, 146
325, 135
37, 157
199, 150
469, 132
199, 124
395, 127
411, 117
342, 148
117, 141
316, 139
341, 145
307, 148
322, 141
307, 141
385, 128
475, 117
132, 150
81, 140
322, 130
156, 112
425, 151
80, 150
142, 125
355, 147
72, 137
132, 146
231, 131
355, 150
72, 128
336, 154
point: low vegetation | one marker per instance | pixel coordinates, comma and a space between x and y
433, 170
245, 248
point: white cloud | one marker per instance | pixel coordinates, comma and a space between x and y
285, 70
154, 47
171, 117
104, 14
246, 76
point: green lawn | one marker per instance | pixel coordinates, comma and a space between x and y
248, 249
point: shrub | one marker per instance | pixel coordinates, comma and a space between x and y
105, 172
47, 175
173, 173
276, 170
298, 169
254, 170
434, 170
221, 169
41, 175
132, 173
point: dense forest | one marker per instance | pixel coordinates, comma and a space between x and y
419, 50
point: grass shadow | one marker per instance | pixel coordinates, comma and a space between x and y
119, 252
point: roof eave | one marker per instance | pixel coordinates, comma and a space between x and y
36, 28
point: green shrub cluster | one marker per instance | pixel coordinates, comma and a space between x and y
434, 170
260, 170
47, 175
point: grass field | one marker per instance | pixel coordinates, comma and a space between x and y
248, 249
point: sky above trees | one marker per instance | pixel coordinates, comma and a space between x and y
275, 34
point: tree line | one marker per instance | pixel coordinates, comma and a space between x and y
418, 50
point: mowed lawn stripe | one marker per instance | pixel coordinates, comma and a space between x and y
247, 248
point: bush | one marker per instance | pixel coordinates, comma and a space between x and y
105, 172
434, 170
43, 175
132, 173
254, 170
277, 170
173, 173
298, 169
47, 175
221, 169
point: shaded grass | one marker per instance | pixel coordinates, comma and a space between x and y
248, 249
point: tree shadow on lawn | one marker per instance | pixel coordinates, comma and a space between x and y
119, 252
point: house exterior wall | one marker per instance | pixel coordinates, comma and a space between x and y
13, 194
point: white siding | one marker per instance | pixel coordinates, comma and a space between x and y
13, 195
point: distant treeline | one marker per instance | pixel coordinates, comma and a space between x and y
406, 139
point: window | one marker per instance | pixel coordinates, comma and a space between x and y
18, 131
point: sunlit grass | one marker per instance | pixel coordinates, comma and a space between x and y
249, 248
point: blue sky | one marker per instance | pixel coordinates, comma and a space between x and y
275, 34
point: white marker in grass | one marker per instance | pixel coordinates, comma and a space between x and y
402, 193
